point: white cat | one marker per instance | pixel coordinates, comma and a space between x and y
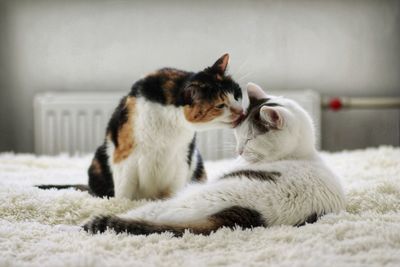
279, 179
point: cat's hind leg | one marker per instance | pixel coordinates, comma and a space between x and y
100, 176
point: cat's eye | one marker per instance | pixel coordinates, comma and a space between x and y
220, 106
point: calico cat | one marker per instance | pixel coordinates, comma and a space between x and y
279, 179
150, 145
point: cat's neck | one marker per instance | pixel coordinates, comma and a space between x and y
300, 148
309, 154
160, 122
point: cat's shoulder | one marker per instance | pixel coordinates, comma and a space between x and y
296, 166
171, 73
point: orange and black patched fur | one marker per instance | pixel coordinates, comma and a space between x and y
150, 146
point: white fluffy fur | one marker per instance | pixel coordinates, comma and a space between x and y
158, 162
40, 227
306, 185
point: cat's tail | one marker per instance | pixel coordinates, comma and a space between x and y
79, 187
232, 217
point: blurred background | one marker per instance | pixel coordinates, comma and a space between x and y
336, 48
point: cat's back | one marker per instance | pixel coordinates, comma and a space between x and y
310, 176
162, 86
302, 170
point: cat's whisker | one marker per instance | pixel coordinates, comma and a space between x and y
244, 63
227, 147
224, 149
244, 76
227, 143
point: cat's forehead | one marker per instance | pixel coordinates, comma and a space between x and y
211, 87
204, 78
256, 104
271, 101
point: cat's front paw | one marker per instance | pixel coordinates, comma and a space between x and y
98, 224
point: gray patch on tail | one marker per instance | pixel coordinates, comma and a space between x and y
118, 225
232, 217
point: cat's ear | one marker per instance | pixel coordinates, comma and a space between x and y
220, 66
255, 91
272, 116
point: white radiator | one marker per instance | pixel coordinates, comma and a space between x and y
75, 123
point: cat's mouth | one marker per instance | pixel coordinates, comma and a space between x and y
238, 120
235, 120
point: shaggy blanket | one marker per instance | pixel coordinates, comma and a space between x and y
40, 228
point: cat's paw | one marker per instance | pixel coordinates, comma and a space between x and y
98, 224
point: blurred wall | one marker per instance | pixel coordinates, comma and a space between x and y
335, 47
6, 125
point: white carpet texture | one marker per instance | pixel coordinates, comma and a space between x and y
39, 228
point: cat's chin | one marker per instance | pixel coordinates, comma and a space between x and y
199, 127
250, 157
238, 121
231, 124
216, 124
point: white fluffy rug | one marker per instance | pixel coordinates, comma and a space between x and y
39, 228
